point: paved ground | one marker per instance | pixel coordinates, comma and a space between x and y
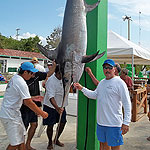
134, 140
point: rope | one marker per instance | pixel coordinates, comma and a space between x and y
87, 119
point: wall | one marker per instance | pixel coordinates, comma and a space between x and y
15, 63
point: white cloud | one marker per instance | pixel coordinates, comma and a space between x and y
28, 35
43, 40
110, 16
61, 11
132, 8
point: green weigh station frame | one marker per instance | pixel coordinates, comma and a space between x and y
87, 108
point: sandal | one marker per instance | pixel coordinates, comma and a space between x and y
148, 115
59, 143
148, 138
49, 147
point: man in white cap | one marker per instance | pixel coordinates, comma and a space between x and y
16, 94
111, 94
37, 65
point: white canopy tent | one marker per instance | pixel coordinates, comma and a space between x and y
123, 51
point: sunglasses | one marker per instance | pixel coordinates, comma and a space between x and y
108, 67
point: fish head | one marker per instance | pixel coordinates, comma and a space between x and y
72, 73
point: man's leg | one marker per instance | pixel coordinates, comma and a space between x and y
31, 133
115, 147
17, 147
49, 132
104, 146
61, 128
11, 147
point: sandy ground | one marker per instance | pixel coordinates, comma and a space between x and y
135, 139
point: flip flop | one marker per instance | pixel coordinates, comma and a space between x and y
49, 147
30, 148
59, 143
148, 138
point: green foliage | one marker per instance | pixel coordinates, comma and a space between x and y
123, 65
138, 68
54, 38
147, 67
29, 44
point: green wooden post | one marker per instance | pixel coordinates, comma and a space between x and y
97, 40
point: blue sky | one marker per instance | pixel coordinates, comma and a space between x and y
40, 17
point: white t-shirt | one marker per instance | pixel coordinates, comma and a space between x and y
39, 67
54, 88
111, 95
16, 91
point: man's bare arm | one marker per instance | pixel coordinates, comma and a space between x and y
58, 109
89, 71
35, 108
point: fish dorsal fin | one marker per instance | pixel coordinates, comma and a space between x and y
90, 7
50, 54
90, 58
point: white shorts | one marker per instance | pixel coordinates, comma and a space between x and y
15, 131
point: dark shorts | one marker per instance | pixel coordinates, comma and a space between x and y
53, 116
29, 117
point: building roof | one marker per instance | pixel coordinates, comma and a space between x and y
20, 54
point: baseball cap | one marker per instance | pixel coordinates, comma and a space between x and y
109, 62
34, 59
49, 63
28, 66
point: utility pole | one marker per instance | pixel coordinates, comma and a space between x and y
17, 30
129, 19
139, 28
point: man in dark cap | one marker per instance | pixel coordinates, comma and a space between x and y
95, 81
111, 94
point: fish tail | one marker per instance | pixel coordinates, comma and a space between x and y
89, 8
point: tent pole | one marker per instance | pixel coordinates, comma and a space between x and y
133, 69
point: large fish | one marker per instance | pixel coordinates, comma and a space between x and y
71, 52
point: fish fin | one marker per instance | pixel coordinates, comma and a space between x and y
90, 58
90, 7
98, 56
50, 54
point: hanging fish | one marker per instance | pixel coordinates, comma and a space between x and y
71, 51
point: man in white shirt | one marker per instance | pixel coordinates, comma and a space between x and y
49, 66
16, 94
53, 106
111, 94
95, 81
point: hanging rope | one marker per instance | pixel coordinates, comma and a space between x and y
87, 114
